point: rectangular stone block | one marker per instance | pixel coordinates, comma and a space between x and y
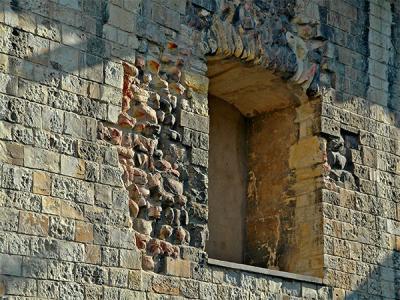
32, 91
195, 139
73, 167
34, 268
71, 251
53, 119
41, 159
33, 223
111, 293
73, 37
93, 274
208, 290
110, 176
45, 75
92, 254
39, 49
48, 29
113, 74
48, 289
83, 232
93, 90
135, 280
113, 112
103, 196
132, 5
61, 271
91, 123
121, 18
33, 115
64, 57
177, 267
74, 84
109, 256
23, 201
166, 285
190, 288
130, 259
71, 210
16, 178
61, 228
128, 294
41, 183
199, 157
93, 292
122, 238
7, 84
91, 67
369, 157
120, 199
45, 248
3, 61
73, 290
197, 82
166, 17
51, 205
125, 53
119, 277
194, 121
110, 94
11, 153
74, 125
5, 130
10, 265
21, 286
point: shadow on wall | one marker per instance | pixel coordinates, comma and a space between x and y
74, 51
377, 279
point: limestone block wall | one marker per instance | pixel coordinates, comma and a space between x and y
360, 202
104, 140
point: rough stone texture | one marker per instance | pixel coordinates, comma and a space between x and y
104, 146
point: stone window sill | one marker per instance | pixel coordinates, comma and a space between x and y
247, 268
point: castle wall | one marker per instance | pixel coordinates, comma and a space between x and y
104, 146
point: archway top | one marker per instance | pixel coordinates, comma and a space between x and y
252, 89
267, 34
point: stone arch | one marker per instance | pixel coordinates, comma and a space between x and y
230, 33
271, 35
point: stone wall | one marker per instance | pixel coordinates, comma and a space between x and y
360, 202
104, 143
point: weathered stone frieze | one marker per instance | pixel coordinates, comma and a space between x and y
267, 33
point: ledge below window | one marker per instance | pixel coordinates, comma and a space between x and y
247, 268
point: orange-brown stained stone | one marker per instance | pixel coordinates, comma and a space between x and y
83, 232
32, 223
177, 267
41, 183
